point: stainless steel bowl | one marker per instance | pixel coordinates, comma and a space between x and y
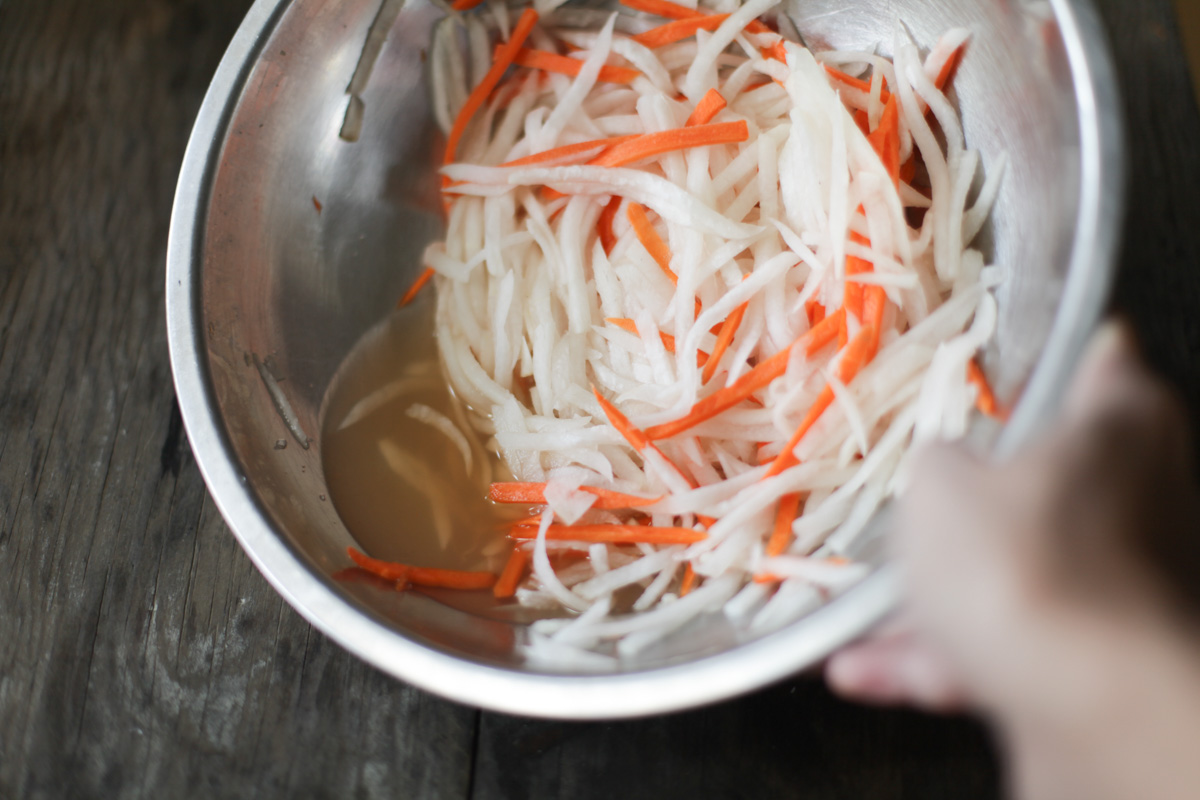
267, 293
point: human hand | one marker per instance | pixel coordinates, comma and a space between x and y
1057, 593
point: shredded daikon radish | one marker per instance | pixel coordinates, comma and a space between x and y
688, 278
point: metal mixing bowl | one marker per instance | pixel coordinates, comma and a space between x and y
266, 294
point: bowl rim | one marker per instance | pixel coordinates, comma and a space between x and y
708, 679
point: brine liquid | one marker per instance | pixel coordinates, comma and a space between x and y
401, 485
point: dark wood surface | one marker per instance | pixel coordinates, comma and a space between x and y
140, 652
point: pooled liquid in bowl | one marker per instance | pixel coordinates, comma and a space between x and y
396, 452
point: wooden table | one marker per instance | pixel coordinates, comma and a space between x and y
140, 652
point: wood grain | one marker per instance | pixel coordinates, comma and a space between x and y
140, 652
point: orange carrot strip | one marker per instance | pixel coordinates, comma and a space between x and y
679, 29
464, 5
789, 504
636, 437
566, 151
752, 381
664, 8
536, 519
411, 294
653, 144
863, 121
422, 576
815, 311
852, 297
776, 51
874, 305
604, 225
650, 239
709, 106
729, 329
689, 580
825, 331
853, 357
510, 576
516, 492
885, 139
947, 70
565, 65
908, 170
667, 339
858, 83
503, 60
612, 534
985, 398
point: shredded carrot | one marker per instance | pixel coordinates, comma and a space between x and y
789, 505
636, 437
852, 360
752, 381
679, 29
948, 69
709, 106
729, 329
565, 65
604, 225
985, 398
612, 534
464, 5
767, 577
863, 121
689, 580
825, 331
908, 170
853, 291
650, 239
886, 140
653, 144
815, 311
874, 305
567, 151
662, 8
411, 294
776, 51
667, 339
518, 492
858, 83
422, 576
475, 100
510, 576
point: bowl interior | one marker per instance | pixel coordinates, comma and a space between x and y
321, 198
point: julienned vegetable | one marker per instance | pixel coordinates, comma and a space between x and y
702, 288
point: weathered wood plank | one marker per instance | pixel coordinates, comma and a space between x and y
791, 741
140, 652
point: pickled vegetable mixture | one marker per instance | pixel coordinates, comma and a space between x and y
701, 289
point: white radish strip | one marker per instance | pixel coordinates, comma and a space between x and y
819, 572
578, 631
615, 579
660, 583
416, 473
439, 421
545, 572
